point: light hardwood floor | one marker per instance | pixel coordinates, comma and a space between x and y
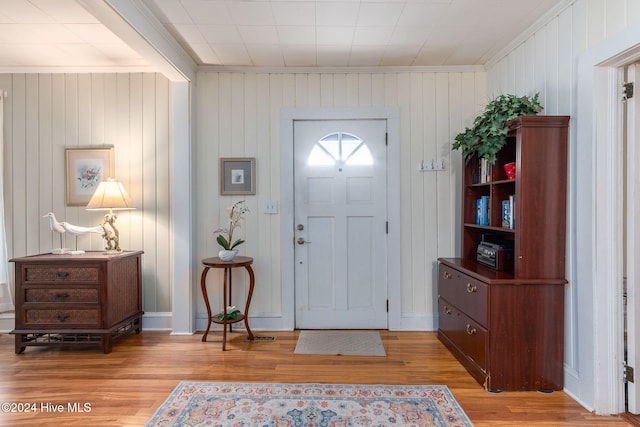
125, 387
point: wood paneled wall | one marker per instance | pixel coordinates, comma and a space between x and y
46, 113
238, 114
545, 61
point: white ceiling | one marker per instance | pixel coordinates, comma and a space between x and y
272, 33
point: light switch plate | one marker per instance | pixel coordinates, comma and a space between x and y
270, 207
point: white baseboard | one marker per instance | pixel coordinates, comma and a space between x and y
150, 322
7, 322
162, 321
157, 321
418, 322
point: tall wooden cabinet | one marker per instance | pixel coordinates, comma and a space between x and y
506, 326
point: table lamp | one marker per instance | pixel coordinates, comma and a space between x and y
110, 195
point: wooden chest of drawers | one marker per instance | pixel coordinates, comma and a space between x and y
509, 334
87, 299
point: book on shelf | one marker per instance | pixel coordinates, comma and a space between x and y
506, 214
512, 208
483, 210
484, 171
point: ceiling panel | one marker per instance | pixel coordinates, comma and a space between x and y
273, 33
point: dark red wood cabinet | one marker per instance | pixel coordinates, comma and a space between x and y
506, 326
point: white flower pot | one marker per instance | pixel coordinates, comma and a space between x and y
226, 255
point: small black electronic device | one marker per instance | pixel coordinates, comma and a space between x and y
495, 255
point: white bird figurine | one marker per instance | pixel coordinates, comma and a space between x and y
78, 230
58, 228
53, 223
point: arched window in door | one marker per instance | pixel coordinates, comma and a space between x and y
340, 148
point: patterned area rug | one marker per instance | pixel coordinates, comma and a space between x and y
237, 404
347, 343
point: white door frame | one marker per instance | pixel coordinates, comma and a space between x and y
632, 247
287, 117
596, 219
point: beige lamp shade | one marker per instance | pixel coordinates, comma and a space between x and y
110, 194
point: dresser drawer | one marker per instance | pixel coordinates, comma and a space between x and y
61, 274
466, 293
467, 334
62, 295
62, 318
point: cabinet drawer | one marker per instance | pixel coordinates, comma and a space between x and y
62, 274
467, 334
466, 293
61, 318
63, 295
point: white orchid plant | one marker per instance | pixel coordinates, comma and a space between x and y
236, 214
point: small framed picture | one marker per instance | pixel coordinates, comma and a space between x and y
86, 168
237, 176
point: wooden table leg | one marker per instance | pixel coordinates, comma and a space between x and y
246, 308
203, 285
106, 343
19, 346
227, 271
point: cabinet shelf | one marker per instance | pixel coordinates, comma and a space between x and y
489, 184
490, 228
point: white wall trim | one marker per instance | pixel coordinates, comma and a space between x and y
418, 322
598, 237
156, 321
182, 238
21, 69
341, 70
287, 117
7, 322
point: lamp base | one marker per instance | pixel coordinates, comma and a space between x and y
113, 251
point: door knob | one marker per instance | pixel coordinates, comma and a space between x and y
301, 241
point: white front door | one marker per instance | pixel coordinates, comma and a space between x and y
340, 204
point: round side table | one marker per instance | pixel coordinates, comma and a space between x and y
215, 262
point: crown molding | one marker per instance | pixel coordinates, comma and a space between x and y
342, 70
21, 69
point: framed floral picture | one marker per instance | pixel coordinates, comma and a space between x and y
237, 176
86, 168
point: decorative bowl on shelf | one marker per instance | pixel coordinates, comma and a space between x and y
510, 170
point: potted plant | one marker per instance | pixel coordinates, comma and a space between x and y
225, 238
487, 134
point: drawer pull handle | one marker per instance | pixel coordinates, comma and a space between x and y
62, 275
447, 310
62, 317
471, 288
446, 275
61, 296
471, 330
